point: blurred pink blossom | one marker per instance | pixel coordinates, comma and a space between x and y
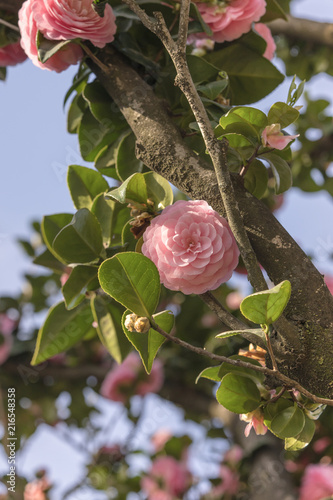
36, 489
273, 137
233, 300
233, 455
7, 326
12, 54
192, 247
160, 438
317, 482
329, 283
232, 20
129, 378
229, 484
266, 34
321, 444
166, 479
256, 420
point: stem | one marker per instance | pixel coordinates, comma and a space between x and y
183, 25
10, 25
235, 362
93, 57
269, 348
249, 161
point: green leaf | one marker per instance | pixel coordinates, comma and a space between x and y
108, 318
133, 280
289, 423
273, 11
281, 113
158, 190
231, 333
256, 179
84, 185
47, 259
295, 91
62, 329
238, 394
195, 14
112, 217
51, 226
75, 114
132, 190
251, 76
213, 89
47, 48
3, 74
95, 135
303, 438
100, 103
80, 241
81, 280
128, 238
238, 141
201, 70
281, 171
105, 161
211, 373
240, 370
126, 161
148, 344
250, 116
267, 306
273, 409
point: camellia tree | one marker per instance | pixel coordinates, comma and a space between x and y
186, 174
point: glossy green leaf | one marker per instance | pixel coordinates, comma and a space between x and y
303, 438
238, 141
256, 179
240, 370
253, 331
273, 11
158, 190
195, 14
132, 190
61, 330
3, 74
213, 89
251, 76
248, 115
127, 163
47, 259
84, 185
201, 70
80, 241
81, 280
75, 114
112, 217
238, 394
128, 238
100, 103
148, 344
288, 423
273, 409
95, 135
133, 280
47, 48
281, 171
108, 318
283, 114
267, 306
211, 373
105, 161
51, 226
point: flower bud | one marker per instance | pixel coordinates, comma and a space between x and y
142, 325
129, 322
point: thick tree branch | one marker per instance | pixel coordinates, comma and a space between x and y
304, 29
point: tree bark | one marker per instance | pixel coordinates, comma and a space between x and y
304, 29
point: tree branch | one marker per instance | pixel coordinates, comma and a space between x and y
304, 29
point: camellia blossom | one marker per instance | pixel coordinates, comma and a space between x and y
230, 20
166, 480
12, 54
266, 34
69, 19
229, 486
256, 420
130, 378
61, 60
273, 137
192, 247
317, 482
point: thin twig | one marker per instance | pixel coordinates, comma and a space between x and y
10, 25
183, 25
235, 362
248, 163
270, 349
94, 58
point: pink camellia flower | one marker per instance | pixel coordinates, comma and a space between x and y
130, 378
317, 482
266, 34
329, 283
229, 484
36, 489
231, 20
12, 54
70, 54
192, 247
7, 326
166, 480
273, 137
69, 19
256, 420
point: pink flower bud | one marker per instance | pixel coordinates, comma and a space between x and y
256, 420
192, 247
273, 137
